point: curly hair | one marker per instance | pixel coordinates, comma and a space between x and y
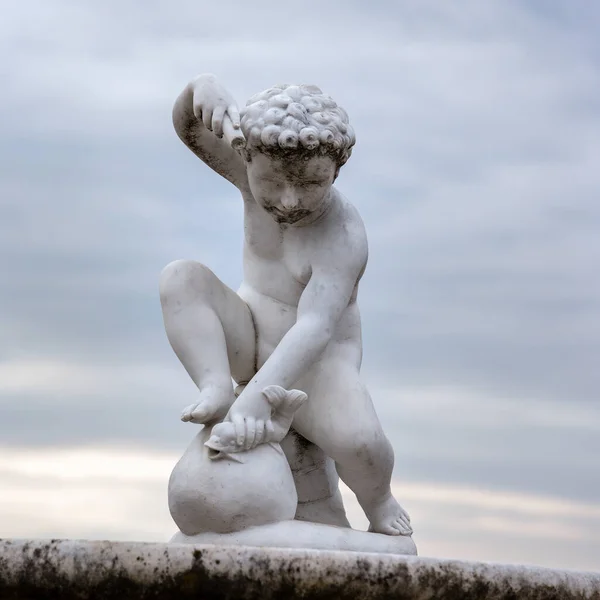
296, 119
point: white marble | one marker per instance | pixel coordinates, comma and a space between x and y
217, 488
302, 534
68, 569
293, 323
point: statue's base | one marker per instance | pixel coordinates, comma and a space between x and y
302, 534
69, 570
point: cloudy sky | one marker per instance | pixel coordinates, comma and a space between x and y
476, 172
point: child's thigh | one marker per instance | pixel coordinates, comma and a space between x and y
339, 408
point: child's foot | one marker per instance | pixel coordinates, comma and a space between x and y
213, 405
387, 516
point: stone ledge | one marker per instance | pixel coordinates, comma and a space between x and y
67, 569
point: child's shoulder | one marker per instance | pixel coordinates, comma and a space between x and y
349, 218
346, 238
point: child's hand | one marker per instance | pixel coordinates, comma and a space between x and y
249, 415
251, 432
259, 418
212, 103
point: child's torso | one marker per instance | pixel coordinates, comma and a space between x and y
277, 267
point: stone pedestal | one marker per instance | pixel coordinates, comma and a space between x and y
64, 570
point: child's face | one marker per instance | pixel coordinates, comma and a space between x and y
291, 189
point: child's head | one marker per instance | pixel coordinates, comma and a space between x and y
297, 120
297, 139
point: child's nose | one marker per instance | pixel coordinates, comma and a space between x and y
289, 199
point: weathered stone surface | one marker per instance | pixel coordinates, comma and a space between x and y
41, 569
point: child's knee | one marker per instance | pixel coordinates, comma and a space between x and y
359, 446
184, 280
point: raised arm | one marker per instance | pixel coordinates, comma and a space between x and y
202, 113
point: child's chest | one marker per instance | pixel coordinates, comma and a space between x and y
278, 248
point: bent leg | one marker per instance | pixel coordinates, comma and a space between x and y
316, 480
339, 417
210, 329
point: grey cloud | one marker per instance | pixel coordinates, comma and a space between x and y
475, 171
458, 132
554, 461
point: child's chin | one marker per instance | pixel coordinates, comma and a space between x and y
291, 218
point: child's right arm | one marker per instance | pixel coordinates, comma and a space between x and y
200, 114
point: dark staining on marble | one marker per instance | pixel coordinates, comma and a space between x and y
104, 577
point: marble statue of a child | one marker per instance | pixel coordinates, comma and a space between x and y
295, 320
